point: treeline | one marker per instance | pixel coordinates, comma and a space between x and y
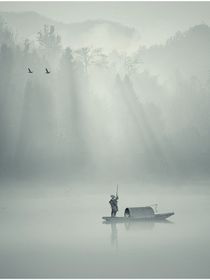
99, 114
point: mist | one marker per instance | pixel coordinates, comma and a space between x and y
110, 109
105, 115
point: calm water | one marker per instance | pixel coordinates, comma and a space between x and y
60, 234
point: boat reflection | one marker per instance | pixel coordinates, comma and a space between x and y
131, 225
139, 226
149, 225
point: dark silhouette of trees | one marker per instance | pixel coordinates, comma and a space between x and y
6, 36
66, 118
48, 39
91, 56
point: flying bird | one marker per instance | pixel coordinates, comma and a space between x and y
29, 71
47, 72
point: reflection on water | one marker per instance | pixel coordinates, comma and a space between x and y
132, 225
139, 226
114, 235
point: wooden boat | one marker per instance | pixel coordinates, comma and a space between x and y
138, 214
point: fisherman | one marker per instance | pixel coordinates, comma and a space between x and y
113, 202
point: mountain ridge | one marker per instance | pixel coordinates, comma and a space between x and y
76, 34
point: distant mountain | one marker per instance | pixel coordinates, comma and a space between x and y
98, 33
185, 54
25, 24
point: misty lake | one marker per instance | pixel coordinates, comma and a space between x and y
58, 233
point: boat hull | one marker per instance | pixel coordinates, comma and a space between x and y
153, 218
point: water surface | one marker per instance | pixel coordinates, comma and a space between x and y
60, 233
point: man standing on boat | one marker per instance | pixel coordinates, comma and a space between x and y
113, 202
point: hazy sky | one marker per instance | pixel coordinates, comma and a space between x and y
156, 21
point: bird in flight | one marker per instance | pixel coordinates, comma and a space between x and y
29, 71
47, 72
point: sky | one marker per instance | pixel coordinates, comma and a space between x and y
156, 21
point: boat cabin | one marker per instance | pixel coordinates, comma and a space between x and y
139, 212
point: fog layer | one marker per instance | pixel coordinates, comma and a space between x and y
104, 114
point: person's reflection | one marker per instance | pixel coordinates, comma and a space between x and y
114, 235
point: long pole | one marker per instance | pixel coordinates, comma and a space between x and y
117, 191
